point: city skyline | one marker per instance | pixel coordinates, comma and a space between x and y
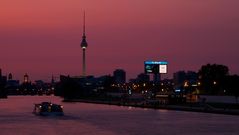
42, 38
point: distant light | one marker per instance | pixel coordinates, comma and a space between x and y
194, 85
130, 92
88, 83
178, 90
214, 82
185, 84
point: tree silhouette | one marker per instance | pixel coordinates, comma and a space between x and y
212, 78
232, 86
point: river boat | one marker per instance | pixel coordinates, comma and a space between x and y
48, 109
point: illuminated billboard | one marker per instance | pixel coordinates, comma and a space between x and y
155, 67
163, 69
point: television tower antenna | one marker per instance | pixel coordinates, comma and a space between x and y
84, 46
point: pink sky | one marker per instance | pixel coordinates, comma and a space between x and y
43, 37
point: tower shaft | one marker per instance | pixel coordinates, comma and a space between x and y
84, 63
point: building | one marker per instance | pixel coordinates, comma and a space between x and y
10, 76
3, 81
82, 87
179, 78
182, 78
141, 78
157, 78
26, 78
192, 77
12, 86
84, 45
119, 76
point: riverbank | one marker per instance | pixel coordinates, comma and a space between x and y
192, 107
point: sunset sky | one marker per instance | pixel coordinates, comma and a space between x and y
42, 37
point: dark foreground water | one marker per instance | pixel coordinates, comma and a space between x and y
16, 118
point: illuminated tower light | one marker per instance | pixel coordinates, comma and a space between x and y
26, 78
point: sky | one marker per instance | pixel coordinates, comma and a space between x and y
42, 38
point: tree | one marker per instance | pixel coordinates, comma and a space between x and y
233, 86
212, 78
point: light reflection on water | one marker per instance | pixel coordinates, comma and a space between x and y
93, 119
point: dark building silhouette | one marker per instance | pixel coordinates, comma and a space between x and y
192, 77
119, 76
157, 78
13, 87
9, 76
83, 87
3, 81
26, 87
141, 78
181, 77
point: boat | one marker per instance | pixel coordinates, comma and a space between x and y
48, 109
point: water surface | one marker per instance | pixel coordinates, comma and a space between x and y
94, 119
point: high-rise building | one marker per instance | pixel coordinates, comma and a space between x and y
9, 76
3, 80
192, 77
84, 46
179, 78
157, 78
119, 76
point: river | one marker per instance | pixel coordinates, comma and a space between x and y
16, 118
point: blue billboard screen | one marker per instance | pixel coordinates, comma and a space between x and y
155, 67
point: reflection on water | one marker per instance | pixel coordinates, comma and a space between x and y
93, 119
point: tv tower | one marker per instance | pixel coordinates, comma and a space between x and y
84, 46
